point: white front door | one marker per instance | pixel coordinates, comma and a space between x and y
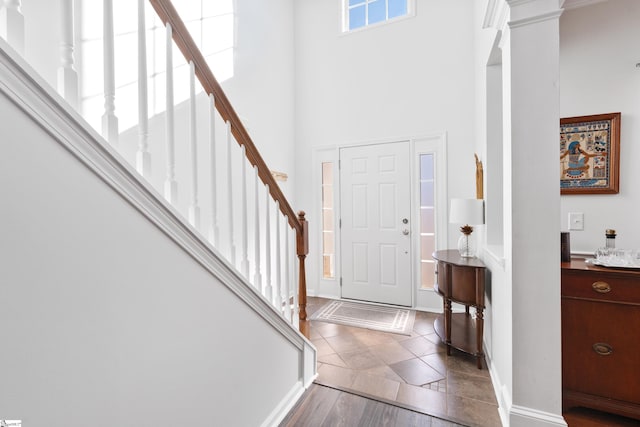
375, 234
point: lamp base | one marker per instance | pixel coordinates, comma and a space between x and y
467, 246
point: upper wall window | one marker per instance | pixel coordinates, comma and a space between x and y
363, 13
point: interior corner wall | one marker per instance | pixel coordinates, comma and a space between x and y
598, 74
262, 88
409, 78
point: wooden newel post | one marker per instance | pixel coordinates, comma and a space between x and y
302, 250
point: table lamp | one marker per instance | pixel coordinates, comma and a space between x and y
467, 212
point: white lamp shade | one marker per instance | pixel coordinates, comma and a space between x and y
467, 211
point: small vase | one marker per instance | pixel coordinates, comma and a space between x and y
467, 245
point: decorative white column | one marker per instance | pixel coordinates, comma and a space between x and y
12, 25
194, 208
170, 184
143, 157
214, 232
67, 75
530, 62
109, 119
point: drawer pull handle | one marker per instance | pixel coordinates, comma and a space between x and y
601, 287
602, 349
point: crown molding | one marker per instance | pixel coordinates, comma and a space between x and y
535, 19
495, 15
575, 4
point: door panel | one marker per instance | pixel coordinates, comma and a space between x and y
376, 244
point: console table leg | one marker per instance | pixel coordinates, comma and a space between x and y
479, 332
447, 324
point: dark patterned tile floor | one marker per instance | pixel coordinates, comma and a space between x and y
413, 371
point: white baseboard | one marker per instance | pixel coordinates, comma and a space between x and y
286, 404
501, 391
521, 416
515, 415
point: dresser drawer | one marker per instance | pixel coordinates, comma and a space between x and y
601, 287
600, 349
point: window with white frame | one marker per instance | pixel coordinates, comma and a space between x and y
359, 14
427, 220
211, 24
328, 224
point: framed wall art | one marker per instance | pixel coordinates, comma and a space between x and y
590, 154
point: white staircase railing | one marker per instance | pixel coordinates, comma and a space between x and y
198, 165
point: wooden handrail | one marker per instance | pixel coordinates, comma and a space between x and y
168, 14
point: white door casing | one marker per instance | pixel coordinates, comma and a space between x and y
375, 233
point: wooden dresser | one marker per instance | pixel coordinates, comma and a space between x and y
601, 338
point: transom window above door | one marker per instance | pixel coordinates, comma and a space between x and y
359, 14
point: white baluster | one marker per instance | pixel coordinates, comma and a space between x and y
278, 286
214, 232
287, 282
12, 25
194, 209
67, 75
143, 157
267, 244
257, 278
109, 119
232, 244
295, 315
170, 185
244, 265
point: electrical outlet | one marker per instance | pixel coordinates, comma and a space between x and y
576, 221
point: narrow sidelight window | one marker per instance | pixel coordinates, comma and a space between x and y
427, 221
328, 223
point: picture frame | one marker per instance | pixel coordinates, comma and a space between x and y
590, 154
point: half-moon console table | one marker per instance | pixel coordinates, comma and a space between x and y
460, 280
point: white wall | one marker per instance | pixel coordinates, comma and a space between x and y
105, 320
262, 89
598, 74
498, 314
410, 78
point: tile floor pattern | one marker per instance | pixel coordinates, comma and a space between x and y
411, 371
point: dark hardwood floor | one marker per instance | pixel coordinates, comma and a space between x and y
326, 406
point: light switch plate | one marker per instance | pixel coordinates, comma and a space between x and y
576, 221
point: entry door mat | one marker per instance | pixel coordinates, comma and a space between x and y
361, 315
